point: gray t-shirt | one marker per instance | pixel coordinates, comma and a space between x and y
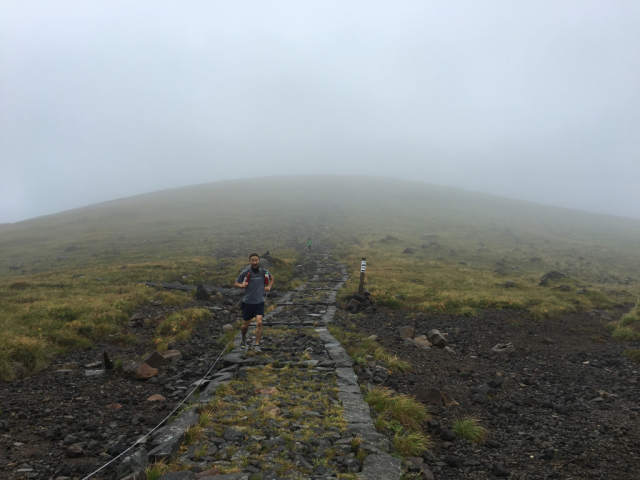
254, 292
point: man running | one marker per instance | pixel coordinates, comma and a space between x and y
254, 280
309, 245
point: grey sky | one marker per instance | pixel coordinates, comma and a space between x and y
531, 100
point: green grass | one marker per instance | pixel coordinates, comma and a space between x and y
399, 281
628, 327
178, 326
204, 419
156, 470
192, 434
411, 444
362, 350
632, 354
227, 337
470, 429
400, 408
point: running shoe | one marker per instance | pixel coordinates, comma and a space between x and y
243, 343
257, 349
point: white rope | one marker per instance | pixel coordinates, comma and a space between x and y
167, 417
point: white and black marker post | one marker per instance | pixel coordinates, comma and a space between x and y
363, 267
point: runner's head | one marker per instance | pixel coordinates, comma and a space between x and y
254, 260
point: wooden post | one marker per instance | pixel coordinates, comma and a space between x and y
363, 267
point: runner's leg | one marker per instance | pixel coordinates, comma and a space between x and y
245, 328
258, 329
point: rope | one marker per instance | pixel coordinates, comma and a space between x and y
167, 417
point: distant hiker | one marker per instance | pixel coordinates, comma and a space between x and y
254, 280
309, 245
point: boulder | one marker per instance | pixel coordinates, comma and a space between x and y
436, 338
429, 396
142, 371
202, 293
495, 383
128, 365
360, 297
503, 348
14, 267
409, 250
73, 451
406, 332
448, 400
479, 393
422, 342
499, 470
154, 359
352, 306
172, 355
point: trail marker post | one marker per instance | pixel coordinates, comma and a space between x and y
363, 267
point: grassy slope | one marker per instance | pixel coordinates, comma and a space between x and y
193, 232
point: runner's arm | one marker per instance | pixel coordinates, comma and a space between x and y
240, 285
271, 280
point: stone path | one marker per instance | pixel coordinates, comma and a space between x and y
294, 411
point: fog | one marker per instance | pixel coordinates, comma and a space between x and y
530, 100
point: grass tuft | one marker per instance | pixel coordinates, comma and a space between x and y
191, 434
156, 470
632, 354
470, 429
362, 349
411, 444
401, 408
628, 327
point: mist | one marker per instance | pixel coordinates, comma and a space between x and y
531, 100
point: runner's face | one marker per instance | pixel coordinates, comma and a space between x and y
254, 261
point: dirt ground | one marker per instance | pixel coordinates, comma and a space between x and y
568, 405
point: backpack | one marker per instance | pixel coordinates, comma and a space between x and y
263, 272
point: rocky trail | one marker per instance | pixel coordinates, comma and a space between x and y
556, 398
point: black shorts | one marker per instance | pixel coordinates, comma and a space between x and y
250, 310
